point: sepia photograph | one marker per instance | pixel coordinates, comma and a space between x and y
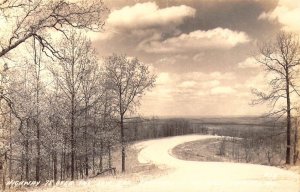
150, 95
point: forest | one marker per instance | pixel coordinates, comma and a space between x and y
62, 106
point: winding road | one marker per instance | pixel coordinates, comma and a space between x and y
190, 176
196, 176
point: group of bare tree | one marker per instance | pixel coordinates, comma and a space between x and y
264, 145
62, 110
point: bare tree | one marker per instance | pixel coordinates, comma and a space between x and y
37, 90
281, 59
77, 53
26, 19
56, 131
19, 94
4, 137
128, 79
92, 93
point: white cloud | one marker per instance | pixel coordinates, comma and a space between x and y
249, 62
211, 83
187, 84
145, 20
286, 13
148, 15
217, 38
222, 76
221, 90
200, 93
163, 78
166, 61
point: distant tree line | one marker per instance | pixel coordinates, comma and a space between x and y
141, 128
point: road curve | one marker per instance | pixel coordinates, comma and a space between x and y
196, 176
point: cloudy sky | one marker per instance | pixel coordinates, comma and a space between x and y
200, 50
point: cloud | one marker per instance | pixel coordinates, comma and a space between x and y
222, 76
166, 61
189, 86
145, 20
148, 15
249, 62
211, 83
218, 38
195, 92
287, 13
222, 90
163, 78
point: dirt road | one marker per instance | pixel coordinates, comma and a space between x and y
209, 176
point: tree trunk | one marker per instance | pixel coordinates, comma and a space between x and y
10, 148
288, 120
86, 142
62, 166
73, 117
27, 153
38, 147
22, 167
49, 165
72, 138
109, 155
296, 152
37, 119
54, 157
123, 143
101, 157
4, 171
94, 153
86, 160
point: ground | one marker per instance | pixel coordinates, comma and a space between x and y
168, 173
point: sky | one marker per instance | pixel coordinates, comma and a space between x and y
200, 50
